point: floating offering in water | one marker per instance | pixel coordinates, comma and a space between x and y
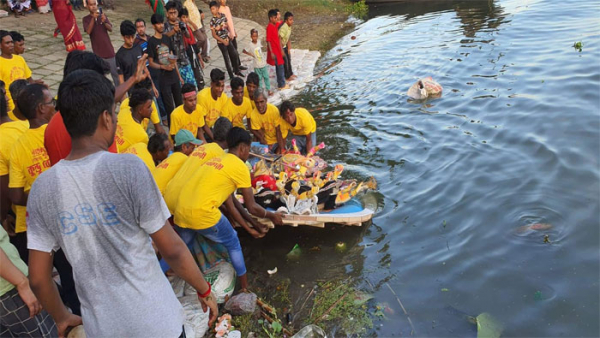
424, 88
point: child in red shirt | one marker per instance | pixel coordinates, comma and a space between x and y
275, 54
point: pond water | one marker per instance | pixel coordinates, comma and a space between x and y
513, 141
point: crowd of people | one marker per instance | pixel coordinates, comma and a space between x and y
83, 187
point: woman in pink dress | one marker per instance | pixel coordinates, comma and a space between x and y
67, 24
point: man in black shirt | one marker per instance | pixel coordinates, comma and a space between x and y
128, 54
161, 55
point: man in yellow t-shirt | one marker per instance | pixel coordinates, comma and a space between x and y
252, 84
154, 117
213, 99
28, 157
185, 143
10, 131
12, 67
199, 201
266, 122
197, 158
129, 123
190, 115
300, 123
238, 107
154, 152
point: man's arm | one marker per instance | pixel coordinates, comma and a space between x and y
140, 74
280, 140
14, 276
214, 34
90, 26
42, 284
18, 196
179, 258
4, 199
207, 131
200, 134
309, 144
257, 210
158, 127
239, 219
121, 78
249, 125
106, 23
260, 135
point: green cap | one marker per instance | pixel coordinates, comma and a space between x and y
185, 136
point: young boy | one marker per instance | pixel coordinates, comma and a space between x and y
254, 49
252, 82
285, 30
190, 115
178, 31
185, 143
12, 67
191, 48
275, 55
19, 42
218, 27
300, 123
224, 9
196, 17
128, 55
102, 209
129, 125
161, 56
213, 99
238, 107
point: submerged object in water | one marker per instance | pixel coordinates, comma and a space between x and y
424, 88
534, 226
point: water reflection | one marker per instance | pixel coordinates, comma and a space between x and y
474, 15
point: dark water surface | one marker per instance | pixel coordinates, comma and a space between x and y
514, 140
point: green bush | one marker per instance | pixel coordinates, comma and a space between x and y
359, 9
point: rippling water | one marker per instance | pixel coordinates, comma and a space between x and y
513, 141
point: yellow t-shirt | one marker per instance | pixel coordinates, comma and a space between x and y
247, 95
197, 158
305, 123
236, 114
212, 108
11, 70
9, 134
269, 121
164, 172
154, 117
28, 159
129, 132
141, 151
217, 179
180, 119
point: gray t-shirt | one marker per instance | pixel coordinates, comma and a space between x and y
101, 210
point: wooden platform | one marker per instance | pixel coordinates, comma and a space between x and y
319, 220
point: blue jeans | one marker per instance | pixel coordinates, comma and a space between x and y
221, 233
280, 74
